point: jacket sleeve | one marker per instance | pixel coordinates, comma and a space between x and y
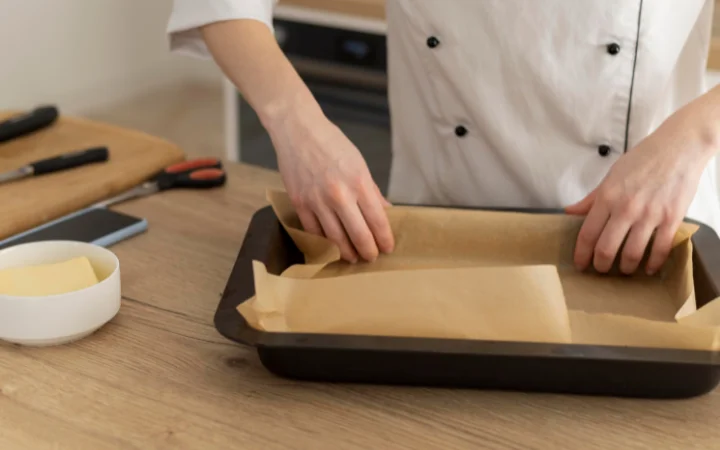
189, 15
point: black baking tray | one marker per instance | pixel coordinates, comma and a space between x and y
558, 368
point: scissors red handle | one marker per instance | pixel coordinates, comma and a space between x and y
197, 173
194, 164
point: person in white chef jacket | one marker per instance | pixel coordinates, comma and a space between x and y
596, 106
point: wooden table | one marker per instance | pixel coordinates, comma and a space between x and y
159, 376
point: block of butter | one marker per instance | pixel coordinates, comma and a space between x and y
48, 279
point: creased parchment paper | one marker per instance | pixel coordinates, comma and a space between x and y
480, 275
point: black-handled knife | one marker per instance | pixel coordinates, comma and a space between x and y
27, 123
57, 163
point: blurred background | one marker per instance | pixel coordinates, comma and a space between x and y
109, 60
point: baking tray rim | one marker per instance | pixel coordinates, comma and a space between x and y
231, 325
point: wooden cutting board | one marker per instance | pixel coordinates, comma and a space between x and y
134, 157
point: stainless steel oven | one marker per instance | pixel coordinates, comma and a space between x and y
347, 72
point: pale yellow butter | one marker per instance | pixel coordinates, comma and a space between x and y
48, 279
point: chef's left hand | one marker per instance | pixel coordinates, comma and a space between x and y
648, 190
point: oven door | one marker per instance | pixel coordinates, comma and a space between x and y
349, 81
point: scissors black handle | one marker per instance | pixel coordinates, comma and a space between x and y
196, 174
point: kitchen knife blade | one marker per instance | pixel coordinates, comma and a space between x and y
15, 174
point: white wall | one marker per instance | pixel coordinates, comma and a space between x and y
84, 54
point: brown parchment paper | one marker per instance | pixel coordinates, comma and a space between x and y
480, 275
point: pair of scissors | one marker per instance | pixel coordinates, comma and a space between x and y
201, 173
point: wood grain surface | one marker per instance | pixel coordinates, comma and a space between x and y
714, 56
159, 376
27, 203
369, 9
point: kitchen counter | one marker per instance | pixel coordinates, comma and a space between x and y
714, 56
368, 9
159, 376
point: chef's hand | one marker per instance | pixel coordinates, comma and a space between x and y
331, 187
324, 173
648, 190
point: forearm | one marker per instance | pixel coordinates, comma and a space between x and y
248, 54
709, 115
701, 121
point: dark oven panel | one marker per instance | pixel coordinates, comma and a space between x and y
332, 45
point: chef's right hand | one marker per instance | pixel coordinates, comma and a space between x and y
323, 172
330, 185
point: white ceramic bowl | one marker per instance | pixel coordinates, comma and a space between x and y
59, 319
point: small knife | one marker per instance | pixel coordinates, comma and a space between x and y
27, 123
57, 163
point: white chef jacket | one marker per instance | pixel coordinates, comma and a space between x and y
520, 103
